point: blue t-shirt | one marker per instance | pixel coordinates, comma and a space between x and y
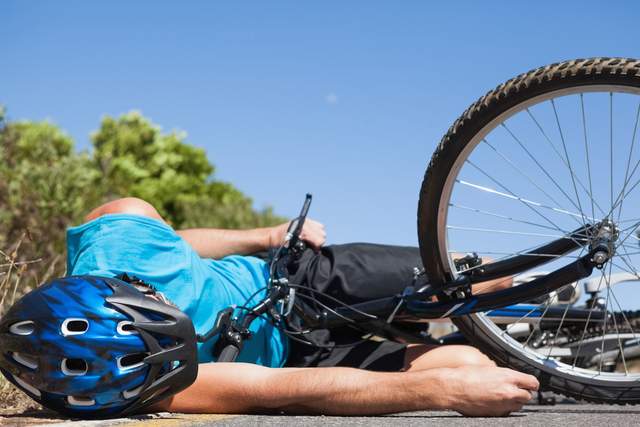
152, 251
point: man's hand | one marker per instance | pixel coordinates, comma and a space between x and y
312, 232
487, 391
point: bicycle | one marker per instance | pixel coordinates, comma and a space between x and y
558, 203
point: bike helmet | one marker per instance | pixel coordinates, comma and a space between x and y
96, 347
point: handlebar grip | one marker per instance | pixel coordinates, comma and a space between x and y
295, 226
303, 215
229, 354
305, 207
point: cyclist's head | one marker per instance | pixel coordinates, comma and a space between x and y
96, 347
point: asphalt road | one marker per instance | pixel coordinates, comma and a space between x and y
531, 415
565, 415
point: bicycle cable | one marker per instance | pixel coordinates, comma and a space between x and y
334, 299
289, 333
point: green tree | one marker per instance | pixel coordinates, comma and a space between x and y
223, 206
136, 158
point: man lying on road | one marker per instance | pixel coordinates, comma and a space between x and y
205, 270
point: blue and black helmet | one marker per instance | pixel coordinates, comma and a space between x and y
96, 347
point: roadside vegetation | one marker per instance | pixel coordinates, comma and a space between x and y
46, 185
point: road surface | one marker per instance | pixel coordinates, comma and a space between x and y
531, 415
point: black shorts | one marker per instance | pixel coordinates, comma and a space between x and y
353, 273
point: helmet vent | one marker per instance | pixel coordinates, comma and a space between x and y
74, 327
25, 360
28, 387
126, 328
74, 367
80, 401
128, 394
22, 328
131, 361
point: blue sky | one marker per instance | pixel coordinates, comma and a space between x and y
346, 100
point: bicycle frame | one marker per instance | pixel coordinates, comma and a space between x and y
417, 304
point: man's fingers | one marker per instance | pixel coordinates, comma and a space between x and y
314, 222
523, 396
313, 233
314, 244
528, 382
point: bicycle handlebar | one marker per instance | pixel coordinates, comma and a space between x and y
292, 240
233, 330
295, 227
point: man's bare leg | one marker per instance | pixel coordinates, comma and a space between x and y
130, 205
419, 357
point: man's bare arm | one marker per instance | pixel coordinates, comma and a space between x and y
218, 243
247, 388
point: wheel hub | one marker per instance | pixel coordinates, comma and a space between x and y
602, 242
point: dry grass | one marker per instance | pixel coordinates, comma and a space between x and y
17, 277
13, 399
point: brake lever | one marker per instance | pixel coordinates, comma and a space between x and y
290, 301
223, 320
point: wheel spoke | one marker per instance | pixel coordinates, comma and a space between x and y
490, 230
586, 149
566, 154
627, 263
586, 326
626, 172
618, 266
629, 253
542, 168
536, 307
564, 315
528, 203
624, 221
508, 255
547, 304
615, 324
611, 146
557, 334
631, 233
563, 160
624, 316
509, 194
606, 316
622, 193
483, 212
511, 254
520, 199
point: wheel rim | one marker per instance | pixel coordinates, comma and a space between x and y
557, 100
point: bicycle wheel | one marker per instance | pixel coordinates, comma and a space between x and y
543, 154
